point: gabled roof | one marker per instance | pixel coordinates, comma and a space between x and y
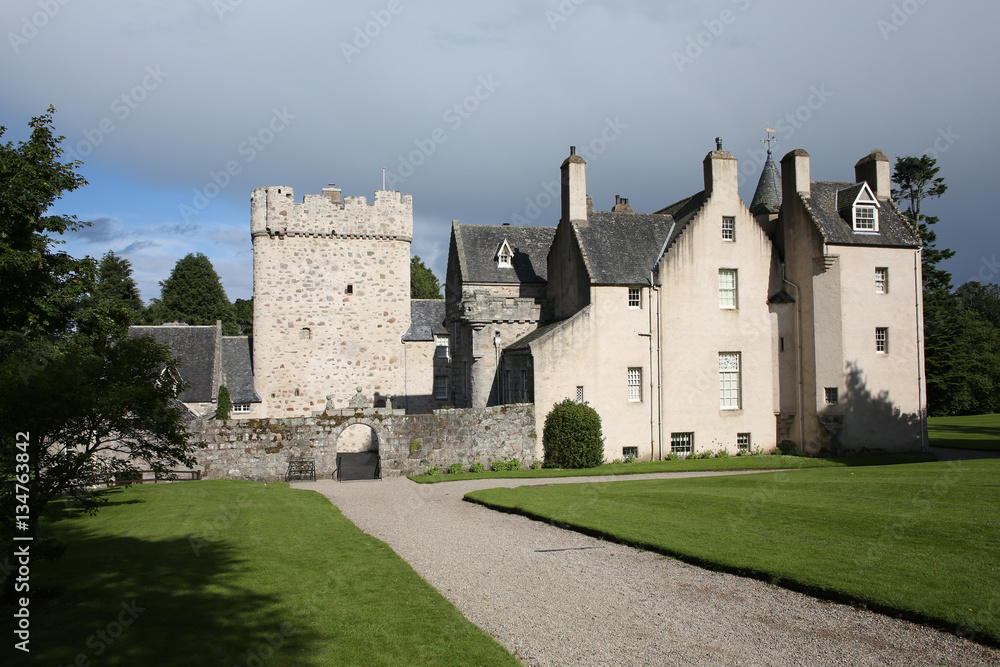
767, 196
426, 319
477, 247
683, 213
194, 349
237, 369
621, 248
832, 218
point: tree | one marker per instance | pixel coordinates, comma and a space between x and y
193, 294
223, 405
423, 283
79, 402
572, 436
243, 309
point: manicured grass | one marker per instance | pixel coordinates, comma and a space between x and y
980, 432
687, 465
921, 540
236, 573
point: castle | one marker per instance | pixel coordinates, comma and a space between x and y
707, 325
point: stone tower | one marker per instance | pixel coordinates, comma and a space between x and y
331, 285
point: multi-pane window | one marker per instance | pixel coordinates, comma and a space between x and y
634, 385
729, 380
881, 340
579, 394
727, 288
240, 408
441, 387
630, 452
881, 280
441, 348
864, 219
743, 442
634, 297
682, 443
728, 229
831, 395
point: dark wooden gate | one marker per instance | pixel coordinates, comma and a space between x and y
360, 465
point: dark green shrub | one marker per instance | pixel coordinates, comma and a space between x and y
455, 468
224, 404
505, 466
572, 437
433, 470
477, 467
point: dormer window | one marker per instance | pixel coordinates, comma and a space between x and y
863, 207
504, 255
865, 218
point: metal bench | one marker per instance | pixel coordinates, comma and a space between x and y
303, 467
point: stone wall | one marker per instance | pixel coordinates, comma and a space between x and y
259, 449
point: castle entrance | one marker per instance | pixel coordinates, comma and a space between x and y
357, 454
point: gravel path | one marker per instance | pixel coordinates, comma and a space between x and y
556, 597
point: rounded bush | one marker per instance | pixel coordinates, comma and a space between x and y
572, 437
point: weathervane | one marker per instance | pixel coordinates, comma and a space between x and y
769, 139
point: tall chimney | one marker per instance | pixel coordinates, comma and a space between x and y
795, 173
874, 169
721, 175
574, 188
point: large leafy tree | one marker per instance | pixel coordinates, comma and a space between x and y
193, 294
243, 309
79, 401
423, 283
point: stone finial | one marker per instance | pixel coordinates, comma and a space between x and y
329, 403
358, 400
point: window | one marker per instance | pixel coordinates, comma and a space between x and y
440, 387
634, 297
831, 395
781, 344
240, 408
634, 385
881, 280
727, 289
865, 219
349, 289
728, 228
743, 442
630, 452
504, 255
441, 349
579, 394
881, 340
305, 333
729, 380
682, 443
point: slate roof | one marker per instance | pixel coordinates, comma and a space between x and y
426, 319
477, 246
621, 248
826, 204
194, 349
237, 369
767, 196
683, 213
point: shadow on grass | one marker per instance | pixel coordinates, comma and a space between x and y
120, 600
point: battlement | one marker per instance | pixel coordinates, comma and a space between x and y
274, 212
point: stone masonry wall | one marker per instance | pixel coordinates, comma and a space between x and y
259, 449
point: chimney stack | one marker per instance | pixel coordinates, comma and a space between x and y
874, 169
795, 173
721, 175
574, 188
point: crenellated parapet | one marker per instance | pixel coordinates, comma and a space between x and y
274, 212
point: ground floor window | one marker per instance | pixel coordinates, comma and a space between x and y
682, 443
579, 394
441, 387
630, 452
743, 442
239, 408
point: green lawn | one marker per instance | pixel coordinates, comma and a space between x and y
237, 573
921, 540
973, 432
687, 465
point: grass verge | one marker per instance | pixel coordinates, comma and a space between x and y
237, 573
921, 540
768, 462
981, 432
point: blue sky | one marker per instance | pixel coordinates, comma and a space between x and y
180, 109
